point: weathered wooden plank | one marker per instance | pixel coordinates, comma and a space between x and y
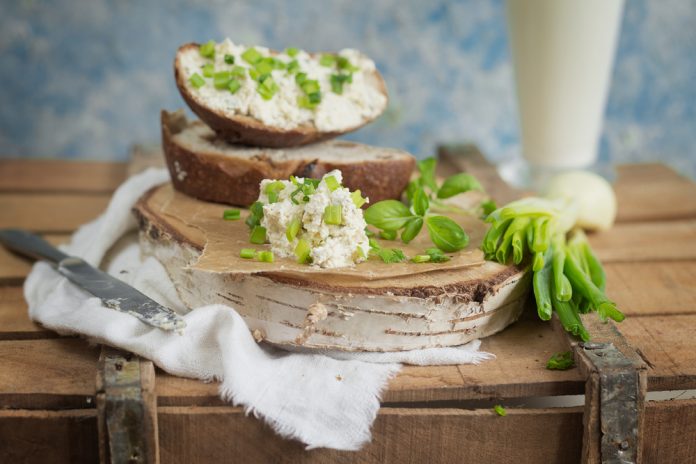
646, 241
653, 192
653, 287
670, 432
518, 371
668, 345
42, 437
50, 213
47, 374
49, 175
14, 268
216, 434
14, 318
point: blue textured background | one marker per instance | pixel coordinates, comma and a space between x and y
86, 79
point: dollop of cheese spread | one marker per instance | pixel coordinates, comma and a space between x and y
331, 245
359, 99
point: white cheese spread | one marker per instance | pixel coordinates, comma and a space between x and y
332, 245
359, 100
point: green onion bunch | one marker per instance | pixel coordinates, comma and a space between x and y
568, 277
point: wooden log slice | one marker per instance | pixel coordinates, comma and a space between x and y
371, 307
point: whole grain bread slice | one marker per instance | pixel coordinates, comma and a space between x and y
207, 167
239, 128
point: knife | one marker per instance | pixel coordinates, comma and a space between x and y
114, 293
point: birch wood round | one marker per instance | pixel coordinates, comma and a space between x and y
371, 307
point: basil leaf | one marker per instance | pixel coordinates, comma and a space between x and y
446, 234
413, 227
458, 183
421, 203
427, 172
411, 188
388, 215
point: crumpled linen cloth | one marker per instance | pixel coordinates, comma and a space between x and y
324, 400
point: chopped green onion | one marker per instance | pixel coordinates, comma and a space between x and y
333, 214
247, 253
338, 80
293, 229
208, 70
222, 79
207, 50
331, 183
302, 251
229, 59
310, 86
233, 85
273, 197
251, 56
291, 51
258, 235
196, 80
293, 67
388, 234
309, 101
561, 361
300, 78
327, 60
254, 74
275, 186
357, 198
421, 258
436, 255
265, 256
264, 65
499, 410
231, 214
344, 64
359, 253
255, 214
267, 88
238, 71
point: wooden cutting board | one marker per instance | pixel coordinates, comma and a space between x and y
371, 307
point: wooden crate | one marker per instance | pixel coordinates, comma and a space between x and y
52, 407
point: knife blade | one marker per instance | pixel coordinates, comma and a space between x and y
114, 293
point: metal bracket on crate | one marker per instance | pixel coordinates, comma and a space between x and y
126, 408
617, 381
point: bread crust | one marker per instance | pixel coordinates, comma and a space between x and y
250, 131
235, 180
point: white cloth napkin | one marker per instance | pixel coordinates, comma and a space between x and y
324, 400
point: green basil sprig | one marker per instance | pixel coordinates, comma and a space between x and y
423, 195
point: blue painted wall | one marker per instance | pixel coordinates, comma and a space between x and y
86, 79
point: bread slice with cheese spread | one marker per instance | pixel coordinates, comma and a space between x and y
207, 167
256, 96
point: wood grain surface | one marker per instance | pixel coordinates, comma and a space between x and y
47, 385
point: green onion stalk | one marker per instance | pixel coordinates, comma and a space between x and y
568, 278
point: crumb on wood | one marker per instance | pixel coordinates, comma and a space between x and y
258, 335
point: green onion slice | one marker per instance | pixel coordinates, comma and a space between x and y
327, 60
258, 235
331, 183
291, 51
251, 56
208, 70
231, 214
196, 80
357, 198
233, 86
293, 229
247, 253
265, 256
229, 59
207, 50
333, 214
302, 251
